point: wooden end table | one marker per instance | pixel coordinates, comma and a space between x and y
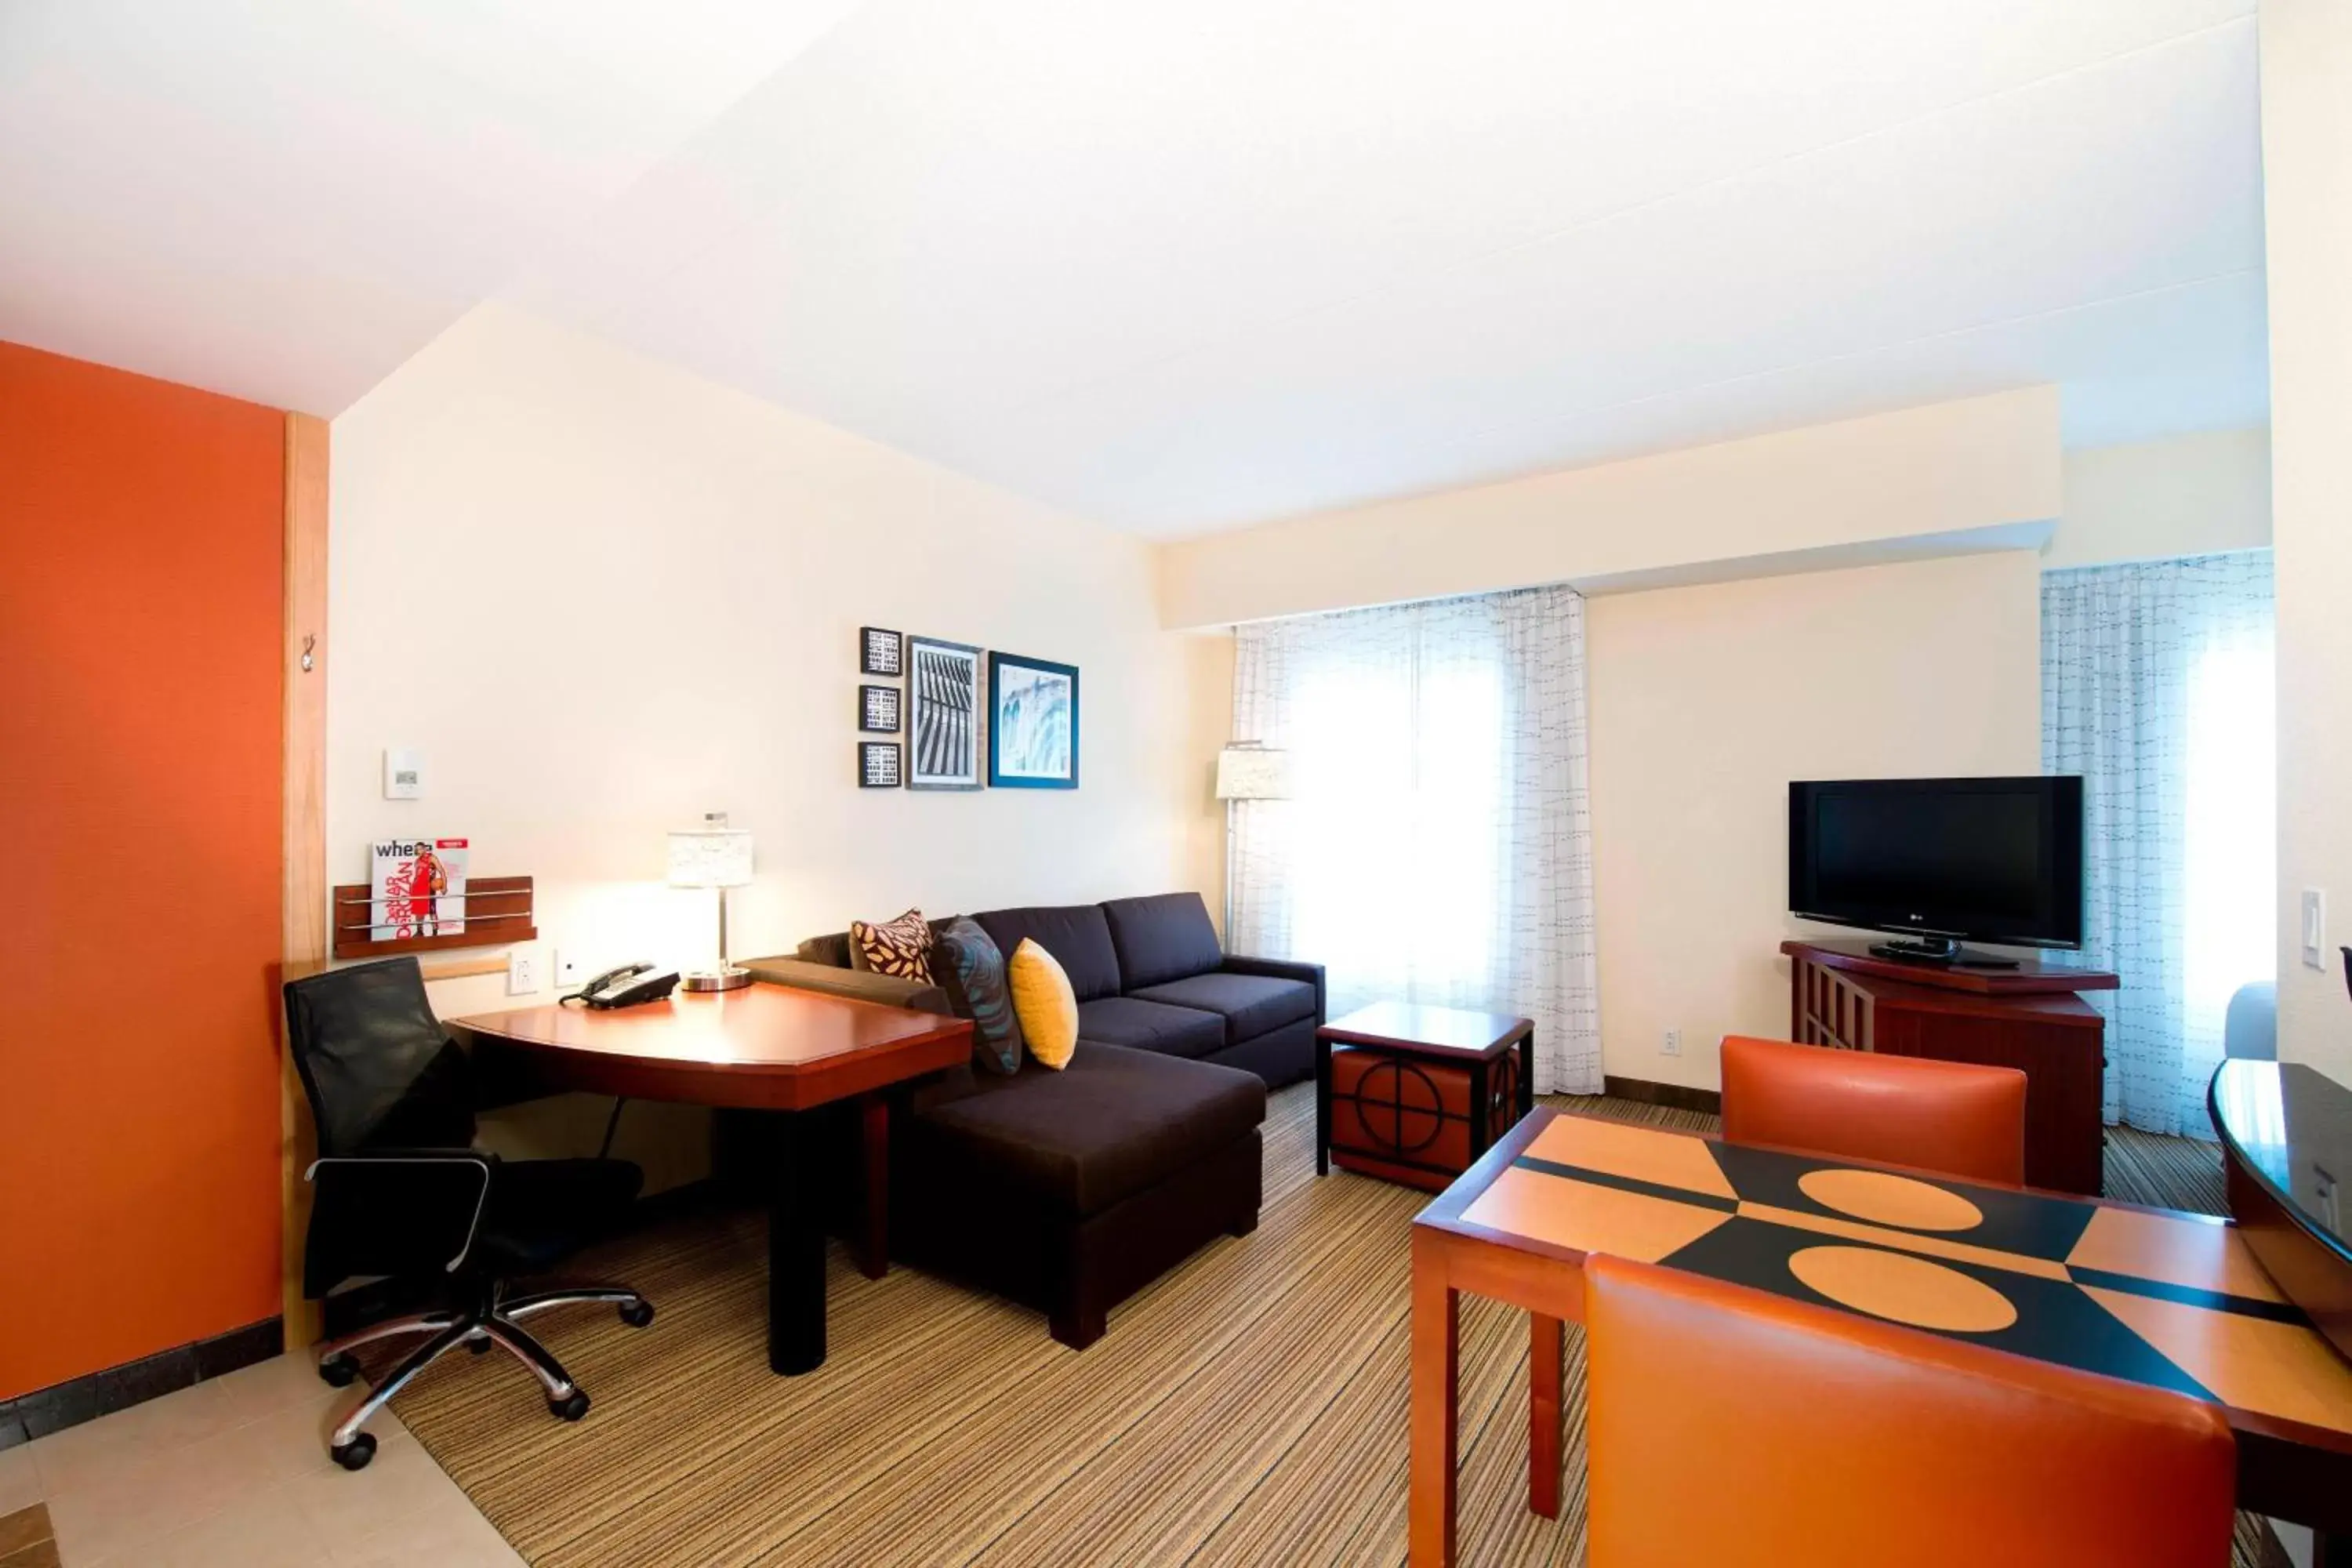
1454, 1037
764, 1047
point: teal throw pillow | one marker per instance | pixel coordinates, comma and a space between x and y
969, 968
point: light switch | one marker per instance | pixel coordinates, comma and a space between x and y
2315, 928
403, 773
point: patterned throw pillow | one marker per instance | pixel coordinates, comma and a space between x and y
1047, 1006
969, 968
901, 947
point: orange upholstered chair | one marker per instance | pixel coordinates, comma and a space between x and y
1734, 1428
1955, 1118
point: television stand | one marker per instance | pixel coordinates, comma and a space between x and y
2031, 1017
1940, 950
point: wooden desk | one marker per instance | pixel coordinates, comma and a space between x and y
767, 1049
2170, 1299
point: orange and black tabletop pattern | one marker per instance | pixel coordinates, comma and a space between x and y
2173, 1300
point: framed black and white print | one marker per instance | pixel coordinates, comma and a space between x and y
877, 652
1033, 723
877, 710
877, 765
943, 721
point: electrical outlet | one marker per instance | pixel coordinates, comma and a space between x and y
522, 970
567, 967
1672, 1044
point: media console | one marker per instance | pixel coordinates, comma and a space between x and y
2031, 1017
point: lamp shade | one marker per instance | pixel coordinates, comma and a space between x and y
711, 856
1252, 772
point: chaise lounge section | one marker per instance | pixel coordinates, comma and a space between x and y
1069, 1191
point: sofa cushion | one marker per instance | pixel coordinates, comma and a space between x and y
1075, 934
1249, 1003
1151, 1026
970, 971
833, 951
1111, 1125
1164, 937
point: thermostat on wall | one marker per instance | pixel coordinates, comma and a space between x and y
403, 773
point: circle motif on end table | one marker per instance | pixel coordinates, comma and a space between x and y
1400, 1106
1901, 1288
1883, 1199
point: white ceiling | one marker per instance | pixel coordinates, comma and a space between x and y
1174, 265
284, 199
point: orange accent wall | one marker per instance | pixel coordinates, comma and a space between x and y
140, 563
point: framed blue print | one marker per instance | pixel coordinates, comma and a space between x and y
1033, 728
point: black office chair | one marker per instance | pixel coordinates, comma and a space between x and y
399, 1191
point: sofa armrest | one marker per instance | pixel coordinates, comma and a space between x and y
857, 985
1286, 969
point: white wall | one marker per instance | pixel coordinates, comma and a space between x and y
1706, 701
2307, 63
1972, 474
602, 596
2184, 495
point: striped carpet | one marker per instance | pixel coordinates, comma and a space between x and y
1248, 1408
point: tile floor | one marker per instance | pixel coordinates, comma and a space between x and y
234, 1471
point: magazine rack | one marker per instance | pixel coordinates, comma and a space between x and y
498, 912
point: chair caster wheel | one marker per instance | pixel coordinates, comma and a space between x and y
355, 1454
342, 1371
480, 1346
638, 1316
571, 1409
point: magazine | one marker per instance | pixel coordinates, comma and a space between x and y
416, 886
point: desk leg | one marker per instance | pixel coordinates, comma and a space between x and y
1322, 1105
874, 1116
1437, 1364
796, 1255
1528, 1075
1546, 1432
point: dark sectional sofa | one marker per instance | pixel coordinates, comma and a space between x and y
1070, 1191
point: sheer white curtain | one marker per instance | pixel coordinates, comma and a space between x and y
1437, 844
2157, 686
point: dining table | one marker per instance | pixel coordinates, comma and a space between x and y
2169, 1300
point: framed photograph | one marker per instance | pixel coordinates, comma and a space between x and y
877, 765
1033, 723
877, 652
943, 726
877, 710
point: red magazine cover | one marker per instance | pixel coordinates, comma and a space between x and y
416, 886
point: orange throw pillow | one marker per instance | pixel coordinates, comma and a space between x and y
1043, 1002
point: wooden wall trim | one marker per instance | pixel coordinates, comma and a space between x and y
1680, 1096
303, 903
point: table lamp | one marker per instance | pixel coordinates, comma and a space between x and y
712, 856
1247, 771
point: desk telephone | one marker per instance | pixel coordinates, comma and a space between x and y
627, 986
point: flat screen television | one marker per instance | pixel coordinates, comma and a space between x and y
1942, 861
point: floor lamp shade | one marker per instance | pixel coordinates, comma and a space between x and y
1247, 771
1252, 772
719, 856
